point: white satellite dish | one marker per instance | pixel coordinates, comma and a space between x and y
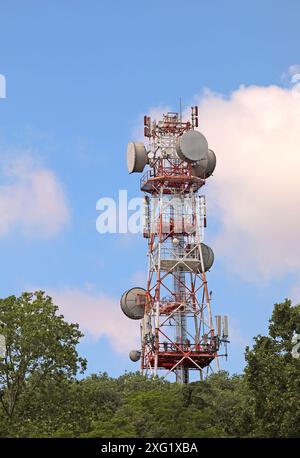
135, 355
137, 157
201, 172
207, 256
192, 146
133, 303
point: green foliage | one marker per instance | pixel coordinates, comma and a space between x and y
129, 406
38, 343
273, 376
38, 380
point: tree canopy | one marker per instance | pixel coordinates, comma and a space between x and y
39, 342
41, 396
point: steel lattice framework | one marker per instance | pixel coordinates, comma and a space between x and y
177, 330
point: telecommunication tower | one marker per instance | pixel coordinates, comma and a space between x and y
178, 333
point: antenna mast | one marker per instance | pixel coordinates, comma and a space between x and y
177, 330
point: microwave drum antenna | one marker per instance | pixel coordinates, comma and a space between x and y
137, 157
192, 146
133, 303
198, 169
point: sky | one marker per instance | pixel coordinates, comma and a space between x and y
79, 77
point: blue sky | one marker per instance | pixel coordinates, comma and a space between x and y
79, 75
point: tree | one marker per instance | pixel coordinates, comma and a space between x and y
42, 398
39, 343
59, 407
226, 398
156, 408
273, 376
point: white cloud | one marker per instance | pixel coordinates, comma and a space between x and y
31, 198
255, 191
291, 72
98, 315
294, 69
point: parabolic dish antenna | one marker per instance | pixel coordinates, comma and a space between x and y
137, 157
208, 257
192, 146
133, 303
135, 355
200, 172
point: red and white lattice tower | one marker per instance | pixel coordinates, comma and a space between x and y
178, 333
